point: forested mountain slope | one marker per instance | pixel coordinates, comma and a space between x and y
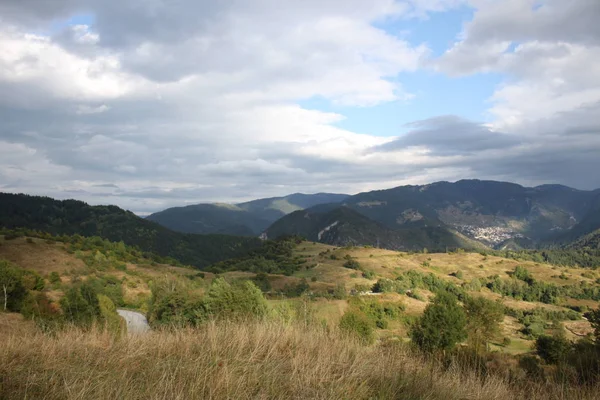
113, 223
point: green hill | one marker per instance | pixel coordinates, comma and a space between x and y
70, 217
247, 219
490, 212
343, 226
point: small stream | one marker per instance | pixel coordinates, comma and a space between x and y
136, 322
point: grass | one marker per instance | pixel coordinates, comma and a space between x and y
253, 360
45, 258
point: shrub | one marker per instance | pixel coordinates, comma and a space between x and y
80, 305
352, 264
384, 285
261, 280
552, 349
108, 310
313, 279
457, 274
32, 280
368, 274
358, 325
413, 294
238, 300
297, 289
339, 292
381, 324
522, 274
54, 277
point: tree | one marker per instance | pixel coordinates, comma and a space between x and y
441, 326
483, 321
13, 290
81, 306
359, 325
594, 318
553, 349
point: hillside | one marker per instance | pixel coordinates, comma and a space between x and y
248, 219
69, 217
126, 277
589, 224
122, 268
487, 211
342, 226
300, 329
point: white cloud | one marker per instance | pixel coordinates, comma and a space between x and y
157, 104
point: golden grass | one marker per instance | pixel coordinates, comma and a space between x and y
39, 256
225, 360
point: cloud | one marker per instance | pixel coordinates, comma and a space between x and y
451, 135
156, 104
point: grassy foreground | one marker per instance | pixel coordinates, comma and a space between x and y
258, 360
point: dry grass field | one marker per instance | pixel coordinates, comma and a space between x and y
253, 360
325, 273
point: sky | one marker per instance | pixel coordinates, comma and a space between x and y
149, 104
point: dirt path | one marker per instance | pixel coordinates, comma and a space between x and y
136, 322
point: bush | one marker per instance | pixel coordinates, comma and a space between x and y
339, 292
552, 349
358, 325
352, 264
297, 289
457, 274
108, 310
54, 278
238, 300
262, 281
381, 324
368, 274
80, 305
413, 294
384, 285
32, 280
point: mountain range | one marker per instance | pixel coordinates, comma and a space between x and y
470, 214
466, 213
72, 217
248, 219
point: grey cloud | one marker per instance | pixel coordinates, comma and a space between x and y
34, 12
451, 135
549, 20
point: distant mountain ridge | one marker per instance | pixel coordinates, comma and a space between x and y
342, 226
70, 217
249, 218
495, 214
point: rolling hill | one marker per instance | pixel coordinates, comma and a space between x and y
467, 213
488, 211
248, 219
70, 217
343, 226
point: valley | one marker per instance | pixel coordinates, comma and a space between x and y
468, 214
501, 311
